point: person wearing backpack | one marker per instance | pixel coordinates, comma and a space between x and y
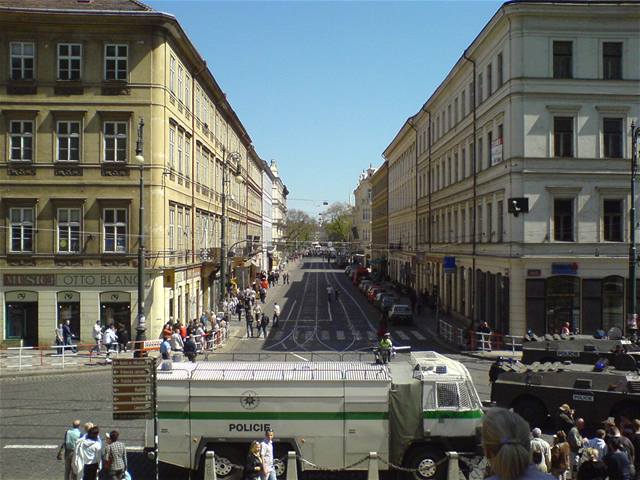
71, 436
539, 444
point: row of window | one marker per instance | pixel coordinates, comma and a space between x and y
68, 230
611, 60
115, 141
455, 225
69, 61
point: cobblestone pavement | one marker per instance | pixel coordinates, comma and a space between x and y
36, 410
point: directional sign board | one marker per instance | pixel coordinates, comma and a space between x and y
133, 388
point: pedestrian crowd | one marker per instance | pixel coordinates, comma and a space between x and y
189, 339
87, 456
611, 451
516, 453
112, 337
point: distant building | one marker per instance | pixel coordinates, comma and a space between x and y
267, 217
379, 219
279, 210
361, 232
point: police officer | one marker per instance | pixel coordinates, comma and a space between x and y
385, 347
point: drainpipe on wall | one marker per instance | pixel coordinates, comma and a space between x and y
475, 192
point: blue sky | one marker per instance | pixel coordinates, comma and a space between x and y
323, 87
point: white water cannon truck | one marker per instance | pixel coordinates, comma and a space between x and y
331, 413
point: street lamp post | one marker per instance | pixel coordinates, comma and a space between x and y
632, 321
223, 223
141, 326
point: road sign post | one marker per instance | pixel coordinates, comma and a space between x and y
134, 393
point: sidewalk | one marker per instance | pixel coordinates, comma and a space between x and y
428, 323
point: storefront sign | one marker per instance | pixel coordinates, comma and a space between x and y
534, 272
97, 280
28, 280
449, 264
564, 268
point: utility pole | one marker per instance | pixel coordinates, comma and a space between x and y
632, 320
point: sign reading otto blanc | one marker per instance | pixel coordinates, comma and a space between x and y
133, 388
75, 280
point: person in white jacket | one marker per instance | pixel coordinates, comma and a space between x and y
97, 336
87, 455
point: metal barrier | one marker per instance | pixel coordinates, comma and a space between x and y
486, 342
372, 459
18, 354
452, 334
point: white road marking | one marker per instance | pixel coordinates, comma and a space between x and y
278, 335
418, 335
301, 358
371, 335
401, 335
358, 336
134, 448
340, 335
324, 335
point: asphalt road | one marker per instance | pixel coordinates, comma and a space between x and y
36, 410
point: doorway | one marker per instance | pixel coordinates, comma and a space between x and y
22, 322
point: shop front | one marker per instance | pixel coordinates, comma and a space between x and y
21, 310
68, 306
115, 309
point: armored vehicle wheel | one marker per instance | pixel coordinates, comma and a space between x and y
425, 461
532, 410
280, 452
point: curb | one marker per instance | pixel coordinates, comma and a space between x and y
37, 373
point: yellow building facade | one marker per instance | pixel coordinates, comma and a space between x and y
75, 83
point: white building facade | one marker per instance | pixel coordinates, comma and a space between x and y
362, 213
523, 171
267, 218
279, 210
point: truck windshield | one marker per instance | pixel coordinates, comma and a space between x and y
454, 395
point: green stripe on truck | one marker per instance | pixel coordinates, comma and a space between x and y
430, 414
167, 415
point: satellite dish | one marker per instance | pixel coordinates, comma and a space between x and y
614, 333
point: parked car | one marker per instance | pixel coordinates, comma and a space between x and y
400, 313
347, 270
388, 302
381, 296
374, 292
364, 284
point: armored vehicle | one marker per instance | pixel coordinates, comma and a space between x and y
581, 349
536, 391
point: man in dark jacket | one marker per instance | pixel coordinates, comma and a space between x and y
617, 462
565, 418
190, 349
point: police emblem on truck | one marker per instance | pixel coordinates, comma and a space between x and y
249, 400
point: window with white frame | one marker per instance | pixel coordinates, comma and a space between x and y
612, 220
21, 140
500, 222
463, 104
115, 141
180, 150
500, 71
180, 230
172, 74
172, 226
114, 225
68, 138
197, 105
612, 60
69, 61
187, 157
563, 220
187, 90
612, 137
69, 224
489, 80
22, 60
480, 89
172, 146
563, 136
180, 75
116, 62
22, 229
187, 228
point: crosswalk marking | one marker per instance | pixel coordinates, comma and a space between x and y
371, 335
358, 336
278, 335
340, 335
418, 335
400, 334
324, 335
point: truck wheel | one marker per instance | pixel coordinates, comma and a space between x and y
532, 411
425, 461
280, 452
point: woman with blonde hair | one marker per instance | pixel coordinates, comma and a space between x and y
506, 443
254, 466
592, 468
